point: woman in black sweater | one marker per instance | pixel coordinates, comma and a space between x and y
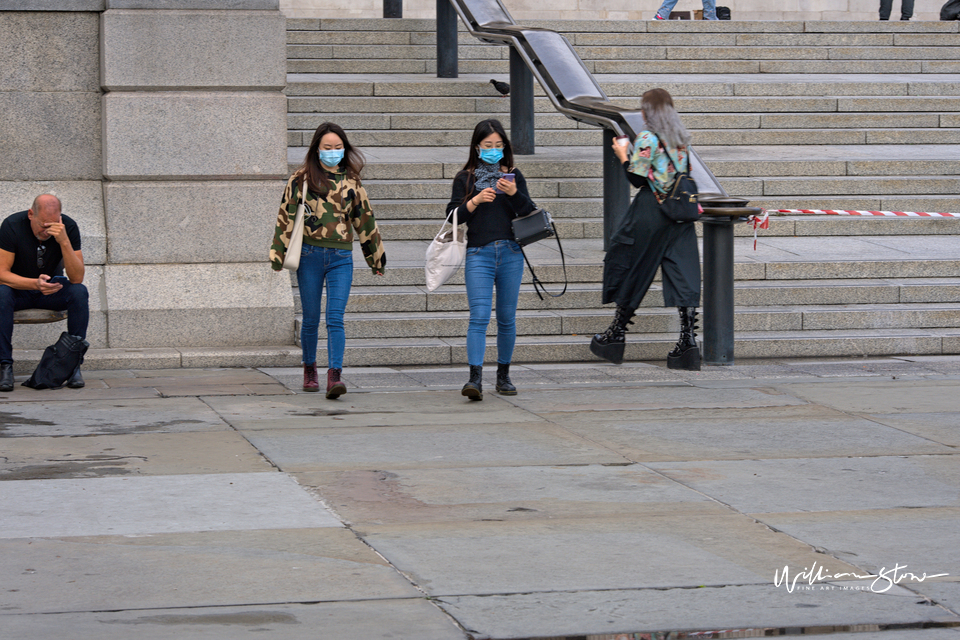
489, 192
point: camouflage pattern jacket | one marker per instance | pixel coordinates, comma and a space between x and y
330, 221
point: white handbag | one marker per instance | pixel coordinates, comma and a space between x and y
445, 254
292, 258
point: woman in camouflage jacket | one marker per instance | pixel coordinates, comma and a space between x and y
336, 207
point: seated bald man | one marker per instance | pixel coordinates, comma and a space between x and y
36, 247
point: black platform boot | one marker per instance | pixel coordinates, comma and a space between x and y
610, 344
504, 386
686, 354
474, 387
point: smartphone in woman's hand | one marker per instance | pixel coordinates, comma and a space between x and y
509, 177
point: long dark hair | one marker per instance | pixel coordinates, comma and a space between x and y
662, 118
483, 129
317, 179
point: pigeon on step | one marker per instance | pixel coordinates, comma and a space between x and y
502, 87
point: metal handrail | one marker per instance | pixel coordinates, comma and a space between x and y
500, 28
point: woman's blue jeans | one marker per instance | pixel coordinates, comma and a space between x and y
499, 264
335, 267
709, 9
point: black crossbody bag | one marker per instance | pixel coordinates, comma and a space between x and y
681, 203
534, 227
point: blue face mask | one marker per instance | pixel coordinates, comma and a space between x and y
330, 157
491, 156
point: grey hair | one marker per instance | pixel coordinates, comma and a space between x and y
663, 120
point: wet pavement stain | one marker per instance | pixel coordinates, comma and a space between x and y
95, 467
11, 419
246, 619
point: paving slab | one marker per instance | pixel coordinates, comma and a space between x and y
937, 427
313, 411
921, 540
946, 594
647, 398
462, 442
124, 455
411, 619
823, 484
743, 434
26, 394
157, 504
927, 396
502, 493
113, 573
118, 416
686, 550
729, 608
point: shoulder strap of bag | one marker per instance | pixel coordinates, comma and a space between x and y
537, 285
676, 163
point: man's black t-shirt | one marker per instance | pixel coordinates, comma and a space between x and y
17, 237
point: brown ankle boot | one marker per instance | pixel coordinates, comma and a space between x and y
310, 381
335, 388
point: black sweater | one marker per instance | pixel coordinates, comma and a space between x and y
639, 182
490, 221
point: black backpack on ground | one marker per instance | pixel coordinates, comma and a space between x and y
950, 11
58, 363
723, 13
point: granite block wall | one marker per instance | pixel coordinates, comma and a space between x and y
161, 125
194, 151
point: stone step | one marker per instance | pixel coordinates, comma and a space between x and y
586, 295
745, 187
397, 46
802, 137
574, 322
766, 137
307, 123
426, 28
631, 86
701, 138
496, 65
844, 185
718, 105
641, 347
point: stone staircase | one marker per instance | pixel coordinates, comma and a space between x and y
788, 114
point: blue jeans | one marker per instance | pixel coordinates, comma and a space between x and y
499, 263
709, 9
335, 266
72, 298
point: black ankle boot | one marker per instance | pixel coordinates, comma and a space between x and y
474, 387
504, 386
76, 379
686, 354
6, 376
610, 344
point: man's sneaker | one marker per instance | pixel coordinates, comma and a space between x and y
657, 17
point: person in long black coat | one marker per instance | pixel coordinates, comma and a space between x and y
647, 239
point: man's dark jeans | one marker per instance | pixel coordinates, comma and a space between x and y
72, 297
906, 9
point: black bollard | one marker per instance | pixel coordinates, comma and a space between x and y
446, 40
392, 8
717, 290
521, 106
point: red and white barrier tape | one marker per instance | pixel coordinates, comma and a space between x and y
759, 223
764, 222
845, 212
